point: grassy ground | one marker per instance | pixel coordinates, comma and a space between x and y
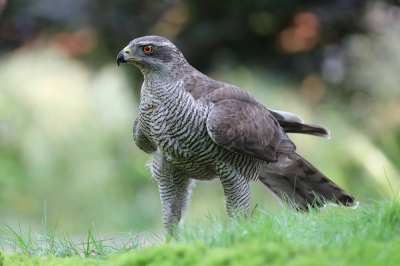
368, 235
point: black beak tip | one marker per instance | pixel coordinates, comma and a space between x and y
120, 58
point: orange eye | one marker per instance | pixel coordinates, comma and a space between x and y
147, 49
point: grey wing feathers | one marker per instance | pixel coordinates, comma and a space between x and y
237, 121
309, 129
245, 128
294, 124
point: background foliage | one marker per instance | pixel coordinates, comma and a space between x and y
66, 110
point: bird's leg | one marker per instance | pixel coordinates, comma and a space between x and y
237, 193
175, 189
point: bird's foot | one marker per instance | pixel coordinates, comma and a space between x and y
166, 240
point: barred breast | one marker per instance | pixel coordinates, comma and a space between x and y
176, 124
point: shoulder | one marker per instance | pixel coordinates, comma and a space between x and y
204, 88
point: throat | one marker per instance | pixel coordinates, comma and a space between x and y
163, 90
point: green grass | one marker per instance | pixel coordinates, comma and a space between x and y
368, 235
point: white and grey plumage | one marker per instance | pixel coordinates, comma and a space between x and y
197, 128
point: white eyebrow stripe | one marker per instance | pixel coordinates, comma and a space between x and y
169, 44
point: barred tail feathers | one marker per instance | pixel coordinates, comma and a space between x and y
295, 180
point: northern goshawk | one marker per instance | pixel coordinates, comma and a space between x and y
197, 128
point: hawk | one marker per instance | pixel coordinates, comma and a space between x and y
200, 129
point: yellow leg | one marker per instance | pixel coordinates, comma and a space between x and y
166, 240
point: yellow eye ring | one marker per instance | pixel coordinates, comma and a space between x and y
147, 49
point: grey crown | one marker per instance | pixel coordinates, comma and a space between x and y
197, 128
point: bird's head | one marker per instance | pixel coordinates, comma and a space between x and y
153, 54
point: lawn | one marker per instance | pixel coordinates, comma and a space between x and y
368, 235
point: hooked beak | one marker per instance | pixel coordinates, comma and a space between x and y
121, 58
125, 56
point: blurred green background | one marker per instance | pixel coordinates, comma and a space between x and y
67, 110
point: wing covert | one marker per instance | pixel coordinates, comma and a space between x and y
245, 128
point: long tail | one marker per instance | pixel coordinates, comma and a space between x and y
294, 180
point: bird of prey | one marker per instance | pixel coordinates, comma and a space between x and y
199, 129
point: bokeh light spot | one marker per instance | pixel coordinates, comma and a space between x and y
302, 36
76, 43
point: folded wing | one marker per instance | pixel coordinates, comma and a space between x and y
245, 127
